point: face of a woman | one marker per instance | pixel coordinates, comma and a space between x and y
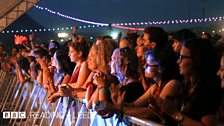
185, 62
176, 46
140, 51
40, 60
92, 60
73, 54
151, 68
113, 62
220, 72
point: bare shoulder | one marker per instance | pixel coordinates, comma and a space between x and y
174, 83
84, 65
172, 88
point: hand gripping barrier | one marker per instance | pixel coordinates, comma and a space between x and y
31, 98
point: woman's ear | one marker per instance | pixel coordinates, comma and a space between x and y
79, 53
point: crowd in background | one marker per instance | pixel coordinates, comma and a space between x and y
172, 79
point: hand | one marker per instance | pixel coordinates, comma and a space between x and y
32, 65
31, 36
74, 29
168, 106
107, 108
100, 79
46, 86
53, 97
116, 95
51, 68
67, 91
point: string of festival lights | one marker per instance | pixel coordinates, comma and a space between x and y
93, 24
69, 17
50, 29
164, 22
80, 27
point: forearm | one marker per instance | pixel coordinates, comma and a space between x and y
103, 93
48, 80
89, 102
208, 120
144, 83
89, 97
33, 74
129, 104
51, 87
32, 44
96, 96
189, 122
140, 112
20, 75
40, 78
81, 94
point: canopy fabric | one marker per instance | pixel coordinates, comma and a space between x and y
6, 5
10, 10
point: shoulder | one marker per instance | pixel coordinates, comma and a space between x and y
174, 83
172, 88
84, 65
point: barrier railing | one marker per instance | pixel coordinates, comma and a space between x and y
26, 105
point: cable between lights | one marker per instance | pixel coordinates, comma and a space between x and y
69, 17
180, 21
117, 25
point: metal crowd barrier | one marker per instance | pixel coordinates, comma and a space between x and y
30, 98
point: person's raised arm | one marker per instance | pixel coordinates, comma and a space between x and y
19, 74
31, 37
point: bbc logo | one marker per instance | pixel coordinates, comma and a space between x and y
14, 115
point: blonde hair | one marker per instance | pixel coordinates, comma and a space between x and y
104, 51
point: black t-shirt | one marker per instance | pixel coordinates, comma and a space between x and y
133, 91
202, 102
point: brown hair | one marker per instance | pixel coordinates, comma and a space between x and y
81, 47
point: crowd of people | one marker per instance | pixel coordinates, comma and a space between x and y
172, 79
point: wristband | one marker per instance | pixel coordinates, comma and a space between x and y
102, 90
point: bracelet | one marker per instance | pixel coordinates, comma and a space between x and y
103, 91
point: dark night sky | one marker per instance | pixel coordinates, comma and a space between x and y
118, 11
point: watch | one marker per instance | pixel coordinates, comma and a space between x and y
179, 117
